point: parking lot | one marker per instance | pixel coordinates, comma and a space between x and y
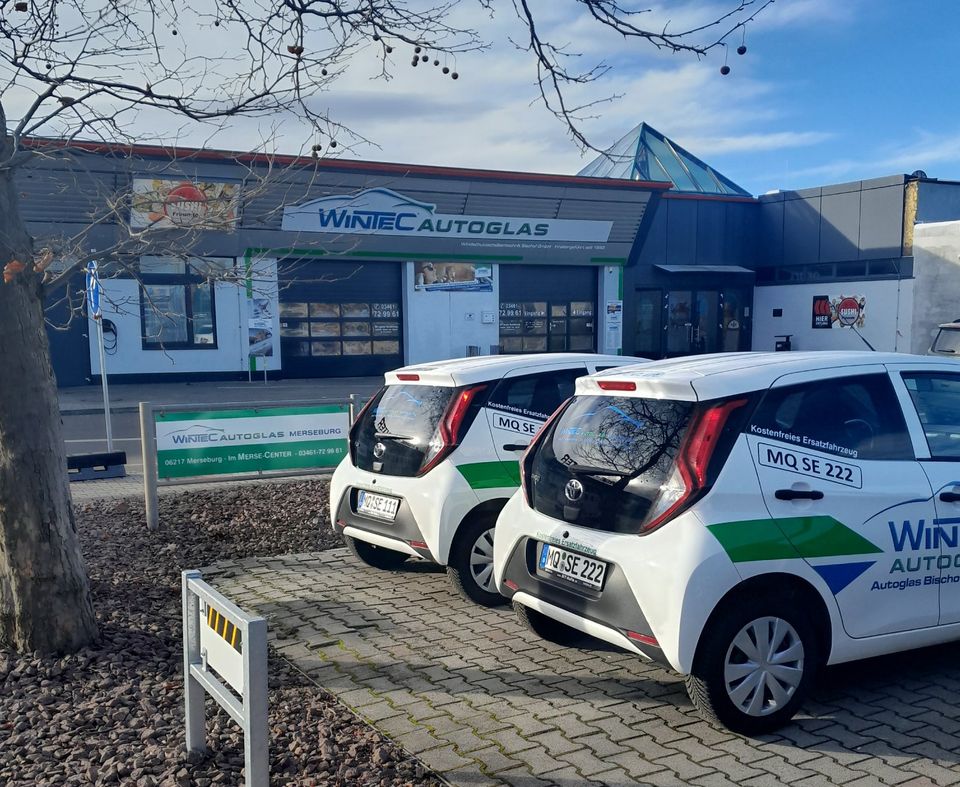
482, 701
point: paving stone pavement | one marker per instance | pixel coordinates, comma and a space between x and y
131, 486
482, 701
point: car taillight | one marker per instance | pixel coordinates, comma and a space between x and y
537, 437
448, 436
689, 475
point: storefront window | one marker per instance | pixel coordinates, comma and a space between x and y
525, 327
177, 302
341, 328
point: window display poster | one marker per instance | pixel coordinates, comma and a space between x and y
432, 276
614, 340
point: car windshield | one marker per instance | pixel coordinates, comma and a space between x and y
626, 436
621, 449
947, 341
403, 419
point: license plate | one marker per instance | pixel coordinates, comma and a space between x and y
377, 506
572, 566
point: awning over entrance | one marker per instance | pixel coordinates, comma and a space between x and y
736, 270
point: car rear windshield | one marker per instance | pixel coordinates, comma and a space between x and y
948, 341
403, 419
620, 449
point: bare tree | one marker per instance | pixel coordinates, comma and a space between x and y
92, 69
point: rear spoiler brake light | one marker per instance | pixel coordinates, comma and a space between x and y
616, 385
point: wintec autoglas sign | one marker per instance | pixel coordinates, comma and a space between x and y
384, 212
255, 440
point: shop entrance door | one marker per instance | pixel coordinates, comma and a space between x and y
690, 322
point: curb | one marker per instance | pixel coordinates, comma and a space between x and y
98, 411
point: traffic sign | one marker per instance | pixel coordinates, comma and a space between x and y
93, 290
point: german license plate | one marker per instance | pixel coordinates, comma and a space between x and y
572, 566
377, 506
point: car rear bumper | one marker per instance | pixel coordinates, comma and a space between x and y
402, 534
612, 614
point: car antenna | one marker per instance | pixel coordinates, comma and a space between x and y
863, 339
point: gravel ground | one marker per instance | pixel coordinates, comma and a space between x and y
113, 713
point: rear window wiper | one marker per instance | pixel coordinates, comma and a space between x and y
589, 470
391, 436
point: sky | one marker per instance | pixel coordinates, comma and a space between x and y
829, 91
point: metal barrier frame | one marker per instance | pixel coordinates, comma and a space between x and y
148, 446
251, 710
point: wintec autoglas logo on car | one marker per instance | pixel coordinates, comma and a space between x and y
908, 537
384, 212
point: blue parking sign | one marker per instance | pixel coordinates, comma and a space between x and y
93, 290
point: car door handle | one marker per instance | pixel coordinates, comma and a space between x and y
514, 447
798, 494
950, 497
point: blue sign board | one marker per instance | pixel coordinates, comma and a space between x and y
93, 290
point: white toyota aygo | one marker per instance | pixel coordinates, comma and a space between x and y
745, 518
434, 457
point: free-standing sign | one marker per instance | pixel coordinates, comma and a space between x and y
385, 212
254, 440
614, 341
93, 290
845, 311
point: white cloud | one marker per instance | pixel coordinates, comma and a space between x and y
489, 117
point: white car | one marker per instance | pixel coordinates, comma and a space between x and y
947, 340
744, 519
434, 457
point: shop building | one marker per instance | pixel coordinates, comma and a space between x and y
332, 268
301, 268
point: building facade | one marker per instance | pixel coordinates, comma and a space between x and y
223, 265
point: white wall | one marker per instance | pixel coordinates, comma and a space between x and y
440, 325
887, 315
936, 266
121, 305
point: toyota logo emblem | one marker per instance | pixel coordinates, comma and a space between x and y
379, 450
573, 490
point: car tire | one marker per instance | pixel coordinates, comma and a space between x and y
749, 687
373, 555
470, 564
549, 629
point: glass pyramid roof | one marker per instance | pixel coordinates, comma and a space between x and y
646, 154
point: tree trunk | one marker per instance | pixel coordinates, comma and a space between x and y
44, 594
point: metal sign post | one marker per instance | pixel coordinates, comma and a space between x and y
94, 292
225, 656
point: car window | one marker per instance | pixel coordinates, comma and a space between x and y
857, 417
535, 395
936, 395
947, 341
